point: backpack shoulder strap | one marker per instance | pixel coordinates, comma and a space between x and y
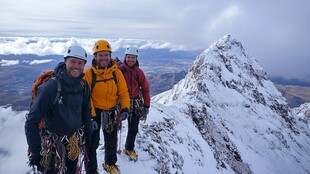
114, 77
93, 80
84, 85
58, 91
123, 69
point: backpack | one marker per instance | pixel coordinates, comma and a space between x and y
137, 75
94, 79
42, 79
39, 81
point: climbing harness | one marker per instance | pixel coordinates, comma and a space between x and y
108, 119
57, 146
136, 106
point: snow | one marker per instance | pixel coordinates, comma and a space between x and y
225, 116
244, 105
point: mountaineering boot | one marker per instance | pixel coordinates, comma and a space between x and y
132, 154
111, 169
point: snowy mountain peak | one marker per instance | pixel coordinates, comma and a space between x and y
224, 117
239, 112
226, 65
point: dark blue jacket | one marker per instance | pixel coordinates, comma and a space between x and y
67, 116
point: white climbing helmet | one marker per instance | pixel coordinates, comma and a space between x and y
77, 52
132, 51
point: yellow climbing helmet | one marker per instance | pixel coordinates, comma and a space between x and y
102, 45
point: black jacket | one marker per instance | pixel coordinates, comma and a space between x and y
67, 116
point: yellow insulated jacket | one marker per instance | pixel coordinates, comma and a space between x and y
107, 91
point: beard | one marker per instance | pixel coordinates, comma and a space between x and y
103, 63
131, 64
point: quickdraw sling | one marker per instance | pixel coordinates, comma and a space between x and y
56, 147
108, 119
136, 106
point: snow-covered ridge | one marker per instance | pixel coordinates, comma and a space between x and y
224, 117
303, 111
240, 113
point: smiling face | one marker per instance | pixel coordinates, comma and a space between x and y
131, 60
74, 66
103, 58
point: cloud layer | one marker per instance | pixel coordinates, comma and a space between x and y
276, 33
48, 46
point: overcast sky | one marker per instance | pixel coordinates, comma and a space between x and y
276, 32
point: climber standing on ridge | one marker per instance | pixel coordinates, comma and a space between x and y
62, 105
108, 88
139, 92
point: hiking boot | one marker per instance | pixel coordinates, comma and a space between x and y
111, 169
132, 154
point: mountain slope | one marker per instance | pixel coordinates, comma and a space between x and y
240, 113
303, 111
224, 117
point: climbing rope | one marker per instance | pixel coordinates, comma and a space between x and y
73, 147
54, 146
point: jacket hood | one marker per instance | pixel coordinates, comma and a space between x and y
60, 68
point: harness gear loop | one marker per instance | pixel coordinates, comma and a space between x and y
107, 120
136, 106
47, 151
56, 146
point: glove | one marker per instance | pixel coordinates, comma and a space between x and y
124, 114
94, 124
144, 113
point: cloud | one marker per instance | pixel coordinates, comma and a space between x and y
13, 149
4, 62
226, 16
35, 62
277, 38
48, 46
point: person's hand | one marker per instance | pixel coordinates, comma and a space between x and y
94, 124
145, 112
124, 114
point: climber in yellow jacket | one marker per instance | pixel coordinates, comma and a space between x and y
108, 87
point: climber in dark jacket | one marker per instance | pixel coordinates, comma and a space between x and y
68, 120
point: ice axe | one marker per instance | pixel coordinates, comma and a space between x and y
119, 151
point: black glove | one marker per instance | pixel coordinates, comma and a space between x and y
144, 113
124, 114
94, 124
